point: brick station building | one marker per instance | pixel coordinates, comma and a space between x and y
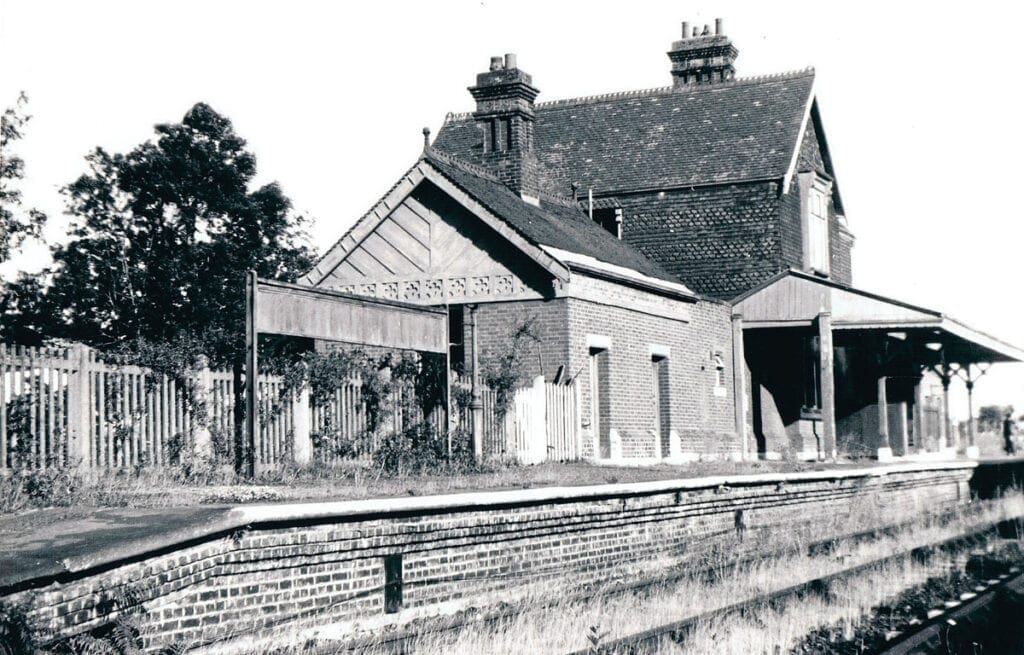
681, 252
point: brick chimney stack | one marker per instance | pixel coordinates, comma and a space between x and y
504, 110
702, 57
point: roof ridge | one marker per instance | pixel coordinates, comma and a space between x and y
459, 162
654, 91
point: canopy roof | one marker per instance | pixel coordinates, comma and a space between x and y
794, 298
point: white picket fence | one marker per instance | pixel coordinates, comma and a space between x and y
541, 423
62, 406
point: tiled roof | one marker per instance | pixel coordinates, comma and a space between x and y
551, 224
712, 134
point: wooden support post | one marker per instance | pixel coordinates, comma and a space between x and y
739, 384
202, 443
828, 384
476, 404
251, 375
79, 408
883, 419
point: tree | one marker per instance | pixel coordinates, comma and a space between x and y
160, 240
990, 417
15, 226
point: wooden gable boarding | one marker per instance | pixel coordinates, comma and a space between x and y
428, 242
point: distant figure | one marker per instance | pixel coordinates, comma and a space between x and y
1008, 444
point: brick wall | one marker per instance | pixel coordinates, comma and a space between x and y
542, 353
724, 240
721, 241
700, 415
322, 565
702, 418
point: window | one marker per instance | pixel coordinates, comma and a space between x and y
610, 218
817, 223
718, 365
816, 192
456, 337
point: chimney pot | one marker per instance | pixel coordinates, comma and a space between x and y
708, 58
496, 63
686, 29
510, 61
426, 138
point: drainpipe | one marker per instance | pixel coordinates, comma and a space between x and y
476, 404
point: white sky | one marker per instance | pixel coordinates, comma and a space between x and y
920, 106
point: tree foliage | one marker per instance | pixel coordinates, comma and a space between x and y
16, 223
990, 417
159, 243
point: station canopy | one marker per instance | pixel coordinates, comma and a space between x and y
794, 299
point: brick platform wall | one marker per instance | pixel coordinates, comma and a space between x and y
475, 550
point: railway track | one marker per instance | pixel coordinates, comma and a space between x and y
647, 641
939, 634
403, 640
955, 630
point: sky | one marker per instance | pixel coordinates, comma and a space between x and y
919, 101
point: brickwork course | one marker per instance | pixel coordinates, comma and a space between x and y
259, 568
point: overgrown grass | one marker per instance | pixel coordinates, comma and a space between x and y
554, 616
178, 486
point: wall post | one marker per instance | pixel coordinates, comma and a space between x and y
739, 385
828, 384
79, 408
885, 445
302, 444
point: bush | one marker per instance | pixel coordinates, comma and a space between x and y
415, 450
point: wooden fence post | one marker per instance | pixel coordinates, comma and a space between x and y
302, 445
79, 408
202, 442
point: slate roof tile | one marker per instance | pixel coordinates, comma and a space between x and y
552, 224
664, 138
